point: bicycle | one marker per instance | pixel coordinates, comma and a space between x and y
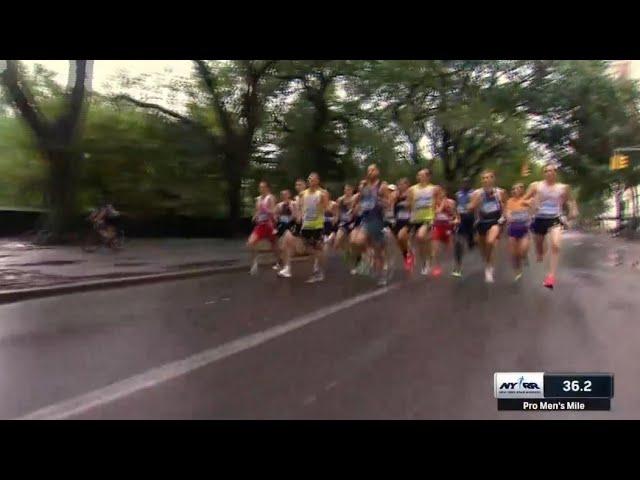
96, 238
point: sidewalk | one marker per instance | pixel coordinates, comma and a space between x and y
27, 266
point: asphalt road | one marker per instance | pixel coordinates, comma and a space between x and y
233, 346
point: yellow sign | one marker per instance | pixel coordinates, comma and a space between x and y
618, 162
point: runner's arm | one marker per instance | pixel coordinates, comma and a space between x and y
473, 202
531, 191
571, 202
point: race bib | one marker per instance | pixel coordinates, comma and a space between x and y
285, 218
462, 209
368, 204
520, 217
311, 213
490, 206
442, 216
549, 207
345, 217
424, 202
262, 217
404, 215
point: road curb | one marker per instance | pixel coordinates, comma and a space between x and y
11, 296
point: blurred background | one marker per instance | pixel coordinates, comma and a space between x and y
179, 146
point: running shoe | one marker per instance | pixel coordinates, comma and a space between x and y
518, 276
285, 272
382, 281
549, 281
316, 277
437, 271
277, 267
457, 273
425, 270
408, 262
488, 275
254, 269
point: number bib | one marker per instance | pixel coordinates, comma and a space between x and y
520, 217
490, 206
404, 215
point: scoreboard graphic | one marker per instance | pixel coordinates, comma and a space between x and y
541, 391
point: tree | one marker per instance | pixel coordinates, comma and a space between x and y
55, 138
226, 106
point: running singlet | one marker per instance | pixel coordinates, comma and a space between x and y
286, 215
423, 204
345, 212
370, 201
519, 211
549, 200
312, 214
490, 208
401, 209
445, 216
463, 198
263, 216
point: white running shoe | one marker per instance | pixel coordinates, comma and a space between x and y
285, 272
254, 269
354, 271
316, 267
488, 275
277, 267
425, 270
316, 277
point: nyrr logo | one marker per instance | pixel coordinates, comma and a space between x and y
521, 384
518, 384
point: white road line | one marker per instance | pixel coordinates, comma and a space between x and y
169, 371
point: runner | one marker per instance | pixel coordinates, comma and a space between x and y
550, 197
360, 266
422, 198
446, 220
312, 204
330, 223
264, 219
285, 219
402, 214
464, 232
518, 221
488, 203
345, 220
372, 199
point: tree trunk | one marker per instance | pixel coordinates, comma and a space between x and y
62, 201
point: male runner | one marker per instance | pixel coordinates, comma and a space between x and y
285, 220
402, 213
345, 217
423, 197
518, 218
465, 230
488, 203
550, 197
330, 223
312, 204
372, 199
446, 219
264, 219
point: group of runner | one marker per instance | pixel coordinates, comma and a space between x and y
421, 219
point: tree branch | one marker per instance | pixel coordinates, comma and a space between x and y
76, 97
22, 99
210, 82
159, 108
